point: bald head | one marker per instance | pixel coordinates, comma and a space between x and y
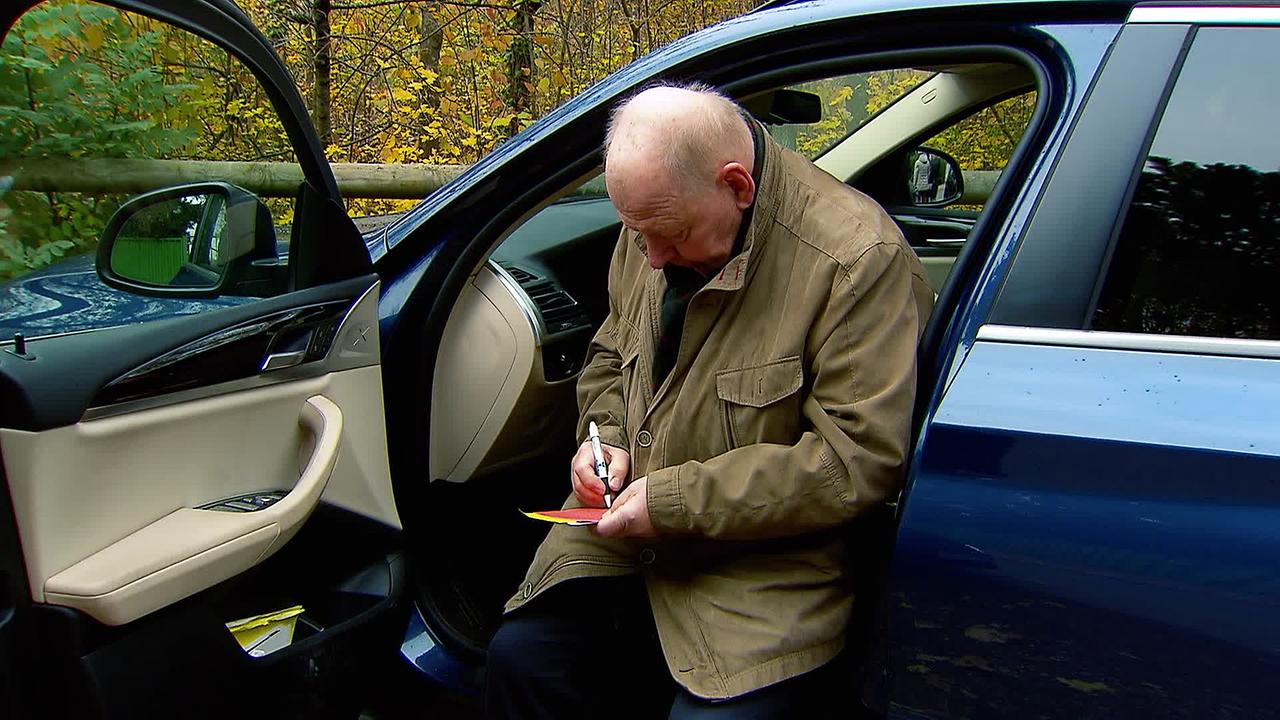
691, 131
678, 168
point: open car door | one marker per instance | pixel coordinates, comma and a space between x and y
220, 461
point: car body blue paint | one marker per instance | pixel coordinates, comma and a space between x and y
1093, 529
423, 651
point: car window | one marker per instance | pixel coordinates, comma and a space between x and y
983, 143
847, 102
1199, 249
98, 105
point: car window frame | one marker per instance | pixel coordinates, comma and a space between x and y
1051, 281
1118, 230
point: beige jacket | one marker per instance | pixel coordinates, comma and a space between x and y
786, 414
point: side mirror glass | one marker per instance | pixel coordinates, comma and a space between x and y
198, 240
933, 178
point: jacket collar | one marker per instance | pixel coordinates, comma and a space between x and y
769, 193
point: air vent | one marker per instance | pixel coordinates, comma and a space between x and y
524, 277
559, 311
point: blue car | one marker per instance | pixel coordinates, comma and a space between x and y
302, 499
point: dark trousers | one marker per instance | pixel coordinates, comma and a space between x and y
588, 648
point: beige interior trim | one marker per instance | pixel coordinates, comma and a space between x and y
82, 492
486, 352
491, 405
190, 549
936, 270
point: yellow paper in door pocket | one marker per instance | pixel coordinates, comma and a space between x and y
263, 634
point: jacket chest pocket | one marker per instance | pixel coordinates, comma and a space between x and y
761, 403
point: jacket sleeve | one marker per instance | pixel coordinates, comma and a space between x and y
856, 423
600, 393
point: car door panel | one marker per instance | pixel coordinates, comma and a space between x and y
122, 448
1082, 558
124, 560
936, 236
156, 467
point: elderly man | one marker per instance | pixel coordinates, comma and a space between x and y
753, 384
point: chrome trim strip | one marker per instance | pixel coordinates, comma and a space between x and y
1130, 341
522, 299
252, 382
356, 344
280, 361
1207, 15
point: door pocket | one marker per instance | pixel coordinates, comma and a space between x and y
761, 403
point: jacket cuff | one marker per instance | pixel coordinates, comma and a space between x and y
666, 502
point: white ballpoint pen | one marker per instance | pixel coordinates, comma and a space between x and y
602, 470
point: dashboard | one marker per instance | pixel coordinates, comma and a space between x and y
516, 340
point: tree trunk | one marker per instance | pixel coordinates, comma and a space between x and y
429, 47
518, 96
432, 40
321, 67
633, 26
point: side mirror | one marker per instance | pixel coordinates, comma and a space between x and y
933, 178
200, 240
785, 107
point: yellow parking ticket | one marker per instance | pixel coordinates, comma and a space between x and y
263, 634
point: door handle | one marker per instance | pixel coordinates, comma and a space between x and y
281, 360
946, 242
192, 549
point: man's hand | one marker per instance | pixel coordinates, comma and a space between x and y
629, 516
586, 486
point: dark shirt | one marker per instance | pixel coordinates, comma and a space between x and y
683, 283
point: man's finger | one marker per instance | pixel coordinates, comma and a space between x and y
617, 475
587, 488
619, 466
624, 496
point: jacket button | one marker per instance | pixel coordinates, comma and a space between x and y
644, 438
647, 556
528, 590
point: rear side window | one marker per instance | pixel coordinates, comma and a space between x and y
1198, 251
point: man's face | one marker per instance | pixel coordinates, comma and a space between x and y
682, 228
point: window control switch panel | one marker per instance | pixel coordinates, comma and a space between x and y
246, 503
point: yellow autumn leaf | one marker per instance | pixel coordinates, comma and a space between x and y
93, 36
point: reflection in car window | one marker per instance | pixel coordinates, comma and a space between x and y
82, 82
1198, 251
848, 101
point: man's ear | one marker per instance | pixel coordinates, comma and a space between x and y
740, 182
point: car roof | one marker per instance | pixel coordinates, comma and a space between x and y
876, 6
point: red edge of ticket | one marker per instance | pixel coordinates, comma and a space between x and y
574, 516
